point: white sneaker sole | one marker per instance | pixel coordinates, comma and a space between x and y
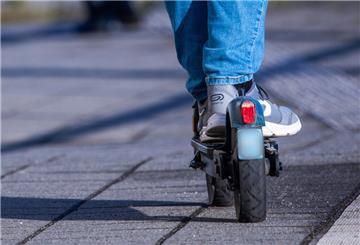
279, 130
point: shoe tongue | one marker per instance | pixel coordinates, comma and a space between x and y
201, 105
253, 92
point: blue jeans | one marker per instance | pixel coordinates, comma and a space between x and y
218, 42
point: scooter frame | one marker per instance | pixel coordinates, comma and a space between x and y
217, 159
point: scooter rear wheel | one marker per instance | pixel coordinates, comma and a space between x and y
250, 192
249, 184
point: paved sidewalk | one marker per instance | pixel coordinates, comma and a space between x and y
346, 230
96, 131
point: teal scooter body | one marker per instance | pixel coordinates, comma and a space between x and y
250, 140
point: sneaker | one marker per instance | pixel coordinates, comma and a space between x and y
279, 120
212, 112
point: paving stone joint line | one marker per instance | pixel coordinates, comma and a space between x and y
23, 167
320, 230
181, 225
76, 206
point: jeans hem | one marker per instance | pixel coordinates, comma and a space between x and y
228, 79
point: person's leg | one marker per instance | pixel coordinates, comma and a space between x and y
189, 22
93, 18
235, 46
232, 54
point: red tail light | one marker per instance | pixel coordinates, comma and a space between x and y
248, 112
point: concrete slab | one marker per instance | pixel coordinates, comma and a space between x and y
346, 229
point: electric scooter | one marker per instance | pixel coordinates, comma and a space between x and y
236, 168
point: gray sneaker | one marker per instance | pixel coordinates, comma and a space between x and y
212, 113
279, 120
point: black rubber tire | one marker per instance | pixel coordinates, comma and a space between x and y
250, 194
249, 183
218, 192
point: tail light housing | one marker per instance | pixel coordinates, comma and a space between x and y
248, 112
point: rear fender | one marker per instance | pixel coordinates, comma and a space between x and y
250, 140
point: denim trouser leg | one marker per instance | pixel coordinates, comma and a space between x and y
189, 22
220, 41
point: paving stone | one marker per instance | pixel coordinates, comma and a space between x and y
346, 229
155, 202
63, 183
296, 193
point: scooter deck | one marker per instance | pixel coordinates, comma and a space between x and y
208, 157
206, 148
207, 154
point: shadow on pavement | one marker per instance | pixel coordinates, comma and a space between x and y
61, 29
73, 131
287, 66
305, 35
28, 208
69, 132
295, 63
33, 33
71, 72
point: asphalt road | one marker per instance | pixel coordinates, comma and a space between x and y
96, 131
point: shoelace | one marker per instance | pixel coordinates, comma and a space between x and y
202, 111
263, 94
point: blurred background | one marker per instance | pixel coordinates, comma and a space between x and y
69, 63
